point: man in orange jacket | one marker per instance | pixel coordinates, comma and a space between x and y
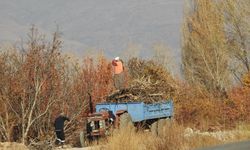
118, 73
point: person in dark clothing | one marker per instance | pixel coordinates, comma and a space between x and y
59, 128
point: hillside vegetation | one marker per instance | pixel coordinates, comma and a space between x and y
38, 81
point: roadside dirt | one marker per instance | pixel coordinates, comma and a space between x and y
19, 146
12, 146
84, 148
220, 135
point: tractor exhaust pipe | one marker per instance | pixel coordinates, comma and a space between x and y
90, 103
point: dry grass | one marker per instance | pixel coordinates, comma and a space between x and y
129, 139
12, 146
243, 130
172, 139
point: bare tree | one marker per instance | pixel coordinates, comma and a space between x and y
163, 55
237, 23
39, 79
37, 82
9, 64
204, 49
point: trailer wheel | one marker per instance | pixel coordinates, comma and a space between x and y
125, 121
168, 122
154, 128
163, 124
82, 139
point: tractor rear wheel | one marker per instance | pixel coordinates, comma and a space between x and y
154, 128
125, 121
163, 124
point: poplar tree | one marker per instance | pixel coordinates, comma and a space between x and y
204, 46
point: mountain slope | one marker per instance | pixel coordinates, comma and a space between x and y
108, 25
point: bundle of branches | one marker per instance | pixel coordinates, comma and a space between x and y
149, 82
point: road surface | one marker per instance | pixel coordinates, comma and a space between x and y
244, 145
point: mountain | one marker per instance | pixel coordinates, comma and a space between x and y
97, 24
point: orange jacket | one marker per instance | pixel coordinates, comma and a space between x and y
118, 66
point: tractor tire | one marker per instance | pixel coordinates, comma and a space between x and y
163, 125
82, 139
126, 121
168, 122
154, 128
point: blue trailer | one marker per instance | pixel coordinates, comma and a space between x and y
139, 111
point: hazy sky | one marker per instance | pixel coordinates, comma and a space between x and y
110, 25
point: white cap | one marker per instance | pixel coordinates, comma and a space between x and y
117, 58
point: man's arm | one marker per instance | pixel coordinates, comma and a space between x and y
66, 118
122, 65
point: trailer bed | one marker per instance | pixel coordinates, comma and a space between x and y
140, 111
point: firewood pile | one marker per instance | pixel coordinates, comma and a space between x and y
149, 83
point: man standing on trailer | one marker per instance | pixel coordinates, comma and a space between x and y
118, 73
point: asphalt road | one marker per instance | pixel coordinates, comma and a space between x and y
244, 145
